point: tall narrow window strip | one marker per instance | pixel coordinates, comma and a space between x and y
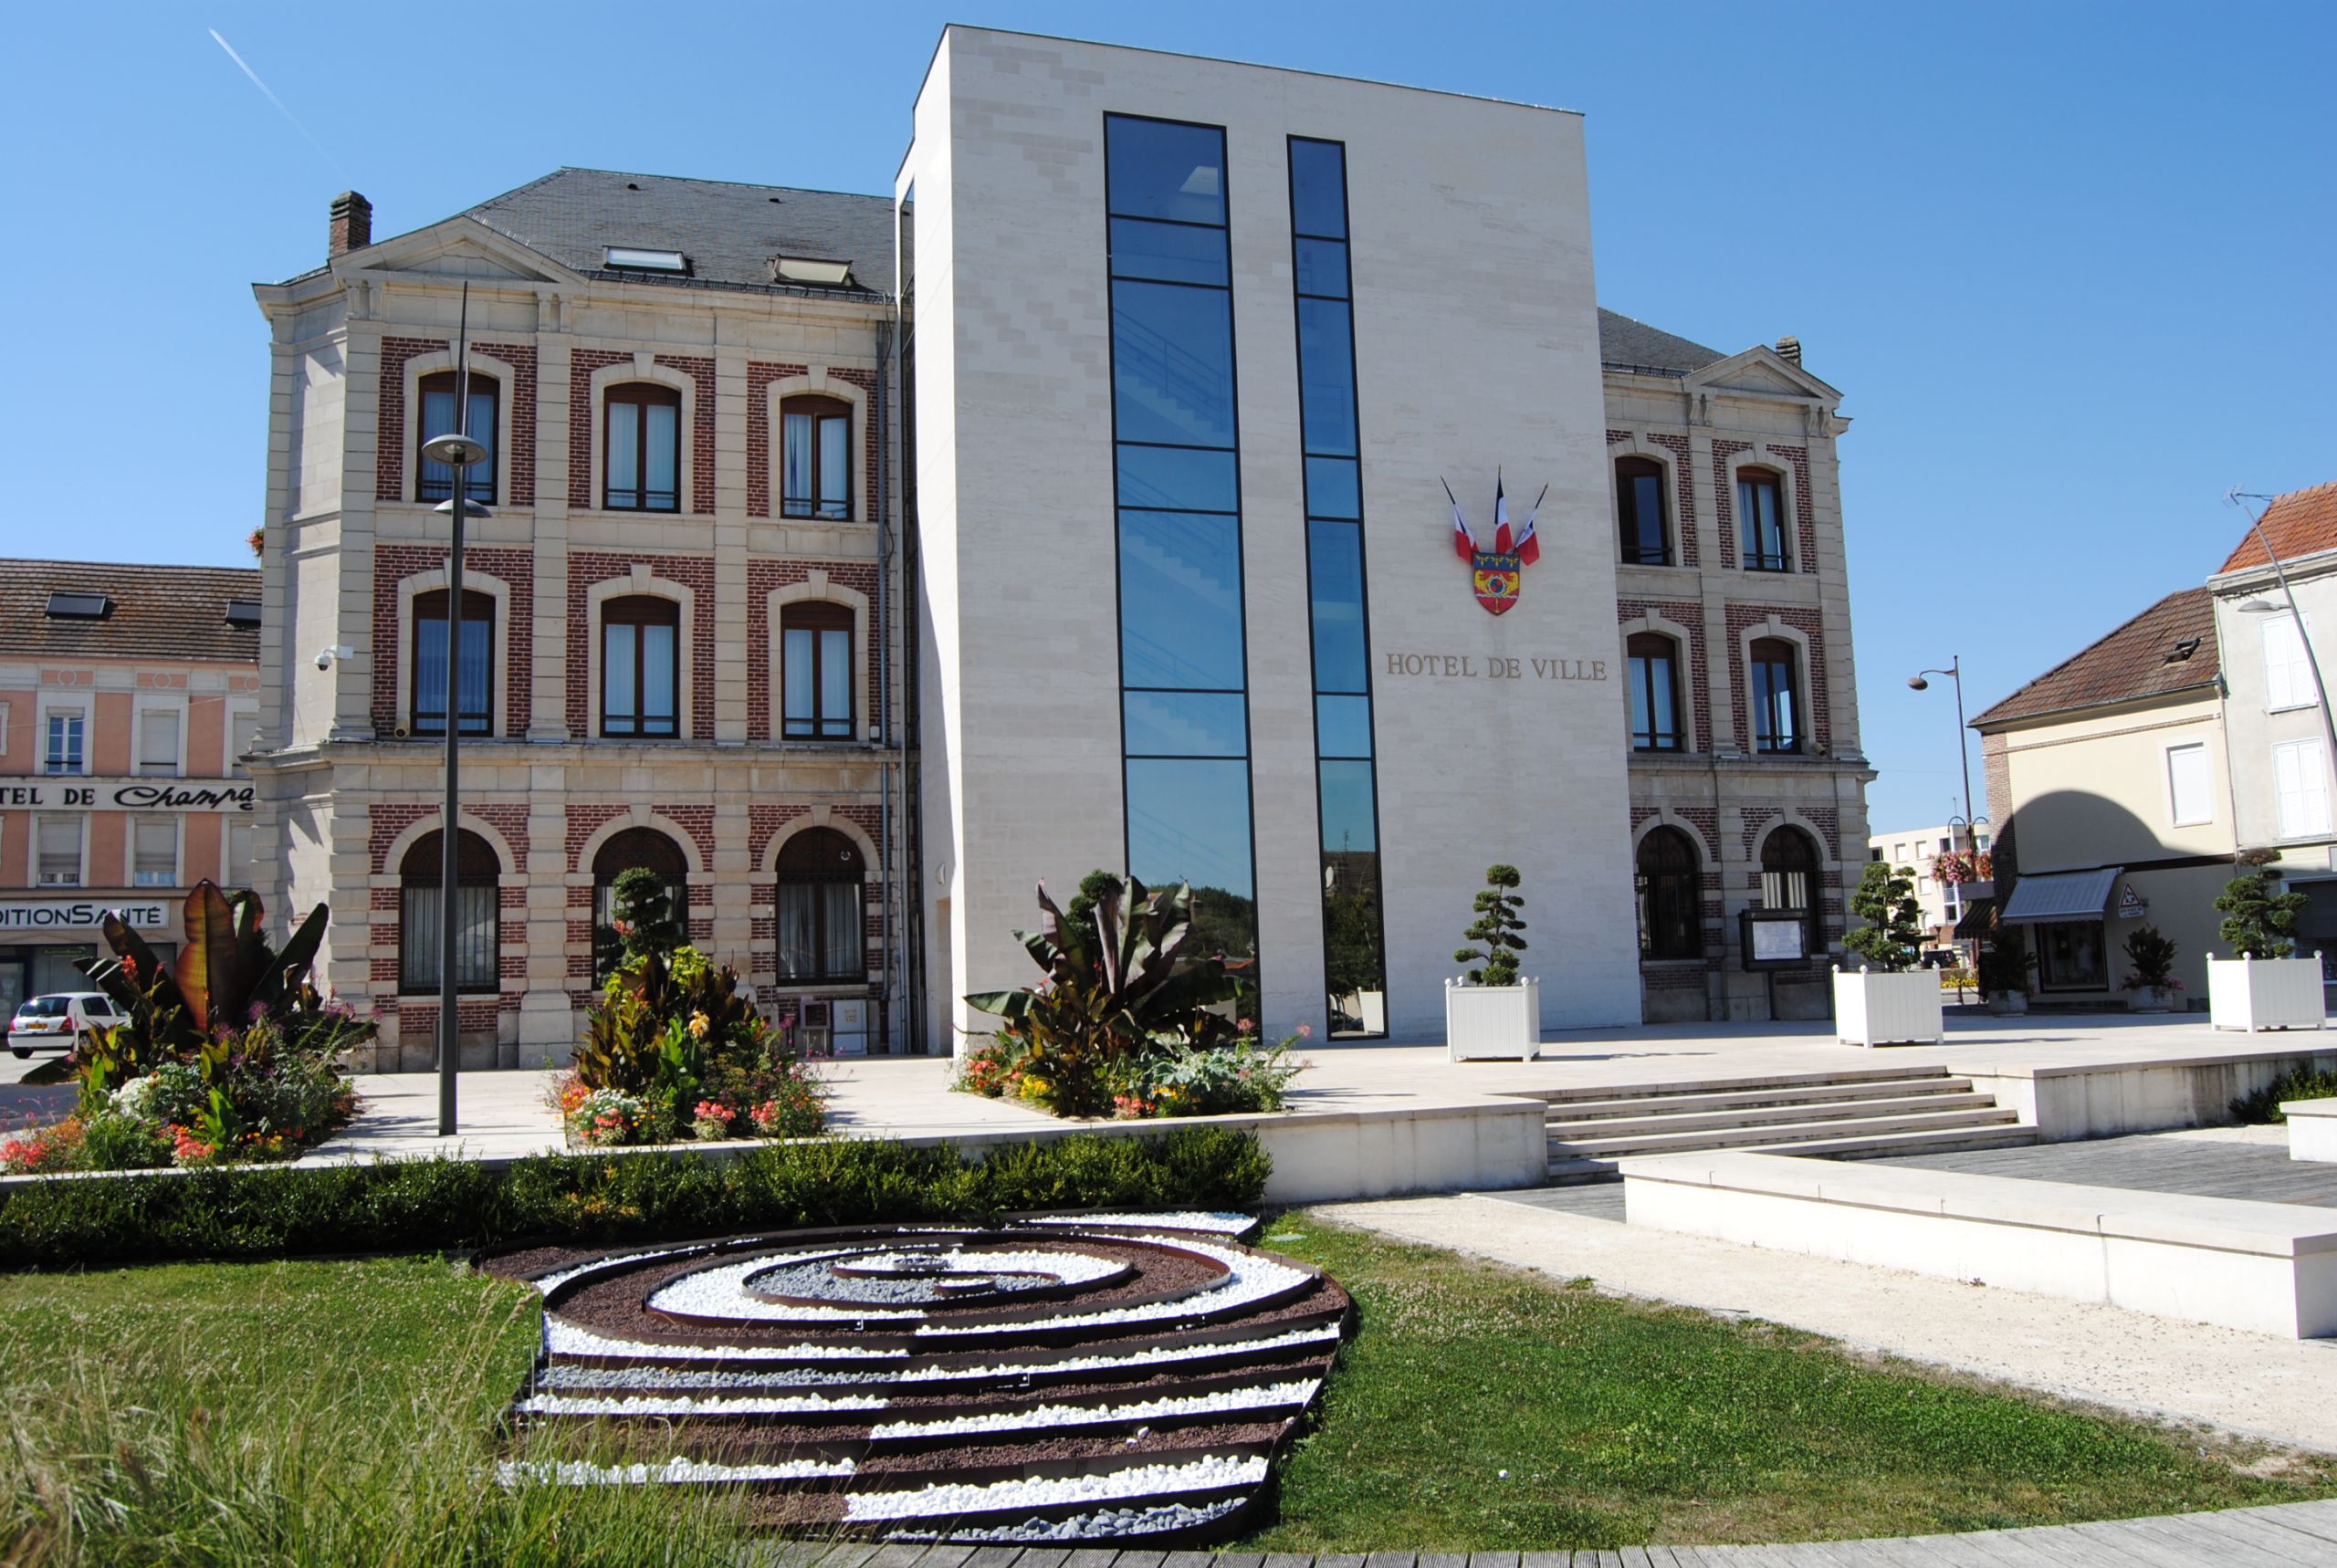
1355, 979
1183, 663
1640, 514
1776, 698
1654, 693
1760, 516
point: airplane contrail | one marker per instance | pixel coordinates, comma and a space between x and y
287, 113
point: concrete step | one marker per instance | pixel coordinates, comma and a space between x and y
1604, 1146
1677, 1088
1756, 1120
1578, 1169
1882, 1088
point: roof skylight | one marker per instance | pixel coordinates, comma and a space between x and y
809, 269
633, 259
243, 612
65, 604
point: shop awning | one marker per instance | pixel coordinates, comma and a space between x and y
1979, 918
2062, 895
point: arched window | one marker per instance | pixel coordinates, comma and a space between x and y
642, 457
1777, 696
641, 673
815, 457
1789, 863
1639, 516
644, 849
1653, 665
1760, 518
815, 671
436, 482
822, 909
477, 925
1670, 895
475, 665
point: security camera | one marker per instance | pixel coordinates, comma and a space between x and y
325, 656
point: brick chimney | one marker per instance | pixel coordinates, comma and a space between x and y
353, 224
1788, 348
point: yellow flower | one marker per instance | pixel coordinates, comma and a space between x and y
698, 1025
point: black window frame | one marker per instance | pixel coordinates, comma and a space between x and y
624, 851
1670, 896
1795, 861
421, 871
478, 609
820, 408
819, 616
479, 478
1770, 740
638, 611
1749, 521
1630, 526
640, 397
1640, 650
813, 861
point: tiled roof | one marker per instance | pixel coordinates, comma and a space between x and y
2298, 523
158, 612
729, 232
1630, 345
2143, 658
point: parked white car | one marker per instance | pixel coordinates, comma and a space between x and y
55, 1022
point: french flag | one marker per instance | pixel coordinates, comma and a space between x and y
1501, 517
1528, 549
1465, 544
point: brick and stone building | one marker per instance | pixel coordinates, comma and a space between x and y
856, 563
128, 695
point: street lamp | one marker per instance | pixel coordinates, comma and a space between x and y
460, 451
2257, 605
1954, 671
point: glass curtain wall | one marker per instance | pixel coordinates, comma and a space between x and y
1185, 723
1354, 945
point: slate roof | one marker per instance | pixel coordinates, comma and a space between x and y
2131, 662
1627, 345
159, 612
729, 232
2298, 523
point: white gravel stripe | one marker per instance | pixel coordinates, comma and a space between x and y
1228, 1402
1104, 1523
1219, 1224
948, 1498
564, 1338
1250, 1277
688, 1405
674, 1472
721, 1291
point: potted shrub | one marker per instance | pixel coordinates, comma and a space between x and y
2152, 980
1889, 1000
2264, 986
2005, 964
1490, 1011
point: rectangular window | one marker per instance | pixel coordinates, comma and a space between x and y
644, 448
2300, 785
64, 753
820, 935
59, 848
243, 737
1762, 518
476, 918
475, 677
2186, 785
815, 671
1776, 721
1654, 694
240, 851
1183, 668
438, 480
158, 742
1639, 521
640, 676
2070, 955
154, 852
2288, 672
815, 458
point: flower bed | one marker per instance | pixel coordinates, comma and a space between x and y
1171, 1080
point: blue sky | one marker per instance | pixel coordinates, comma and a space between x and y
2069, 264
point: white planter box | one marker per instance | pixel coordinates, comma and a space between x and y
1485, 1022
2264, 993
2312, 1129
1873, 1007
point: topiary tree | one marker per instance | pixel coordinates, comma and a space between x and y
1892, 937
2152, 952
2259, 922
643, 920
1497, 927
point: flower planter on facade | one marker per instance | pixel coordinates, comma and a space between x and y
1877, 1007
2008, 1004
1487, 1022
2150, 999
2264, 993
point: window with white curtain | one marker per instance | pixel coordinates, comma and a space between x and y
2287, 674
243, 734
154, 852
158, 742
58, 845
2300, 785
2186, 785
239, 868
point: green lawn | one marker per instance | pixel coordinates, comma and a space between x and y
1619, 1422
344, 1413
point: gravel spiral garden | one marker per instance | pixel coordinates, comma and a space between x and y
1089, 1377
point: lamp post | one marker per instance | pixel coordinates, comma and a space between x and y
1954, 671
2257, 605
459, 450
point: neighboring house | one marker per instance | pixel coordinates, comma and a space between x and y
128, 695
2278, 744
1945, 901
2108, 781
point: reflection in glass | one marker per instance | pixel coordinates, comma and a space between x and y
1180, 601
1318, 188
1322, 267
1172, 364
1185, 724
1335, 588
1333, 488
1158, 170
1188, 822
1347, 822
1174, 253
1327, 376
1343, 727
1178, 478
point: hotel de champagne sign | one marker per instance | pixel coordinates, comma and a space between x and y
66, 793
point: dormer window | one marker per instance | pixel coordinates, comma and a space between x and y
243, 613
2182, 650
629, 258
67, 605
809, 270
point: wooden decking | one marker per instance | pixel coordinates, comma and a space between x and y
2203, 1167
2304, 1534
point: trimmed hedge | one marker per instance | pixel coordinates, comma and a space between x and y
405, 1206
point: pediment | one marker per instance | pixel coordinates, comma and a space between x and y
459, 247
1764, 373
